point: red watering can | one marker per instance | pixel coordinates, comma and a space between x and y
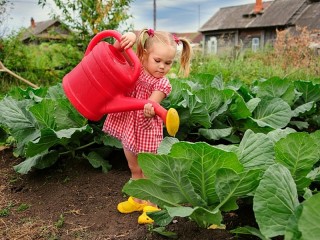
97, 85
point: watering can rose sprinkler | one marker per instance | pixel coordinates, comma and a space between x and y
96, 86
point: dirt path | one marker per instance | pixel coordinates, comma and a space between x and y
72, 200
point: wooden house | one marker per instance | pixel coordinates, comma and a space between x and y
255, 25
44, 31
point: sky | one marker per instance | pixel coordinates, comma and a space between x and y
171, 15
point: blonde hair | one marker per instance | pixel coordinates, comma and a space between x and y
146, 39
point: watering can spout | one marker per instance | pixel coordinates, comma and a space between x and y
123, 104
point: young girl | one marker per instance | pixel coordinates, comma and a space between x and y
142, 131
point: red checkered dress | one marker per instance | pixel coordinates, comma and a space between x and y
136, 132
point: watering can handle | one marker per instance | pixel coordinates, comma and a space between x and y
112, 33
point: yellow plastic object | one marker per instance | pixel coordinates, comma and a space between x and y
130, 206
144, 218
172, 122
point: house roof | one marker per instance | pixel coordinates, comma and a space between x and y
310, 17
279, 13
40, 29
275, 13
193, 37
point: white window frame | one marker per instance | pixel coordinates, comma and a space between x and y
212, 46
255, 44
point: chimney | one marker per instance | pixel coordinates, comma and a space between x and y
258, 7
33, 23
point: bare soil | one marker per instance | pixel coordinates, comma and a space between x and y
72, 200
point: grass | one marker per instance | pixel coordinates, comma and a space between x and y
5, 211
23, 207
249, 66
60, 222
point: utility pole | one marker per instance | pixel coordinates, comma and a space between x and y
154, 15
198, 16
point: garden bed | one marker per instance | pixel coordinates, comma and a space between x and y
72, 200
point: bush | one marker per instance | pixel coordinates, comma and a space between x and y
43, 65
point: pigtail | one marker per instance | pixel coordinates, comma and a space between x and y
140, 43
185, 57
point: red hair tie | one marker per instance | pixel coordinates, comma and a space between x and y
176, 39
150, 32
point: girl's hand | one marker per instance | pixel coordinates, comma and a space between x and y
127, 40
149, 110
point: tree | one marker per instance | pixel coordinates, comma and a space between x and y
4, 5
89, 17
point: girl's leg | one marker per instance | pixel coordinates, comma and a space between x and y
132, 159
136, 172
132, 204
135, 204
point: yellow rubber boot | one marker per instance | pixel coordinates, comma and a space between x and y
144, 218
130, 206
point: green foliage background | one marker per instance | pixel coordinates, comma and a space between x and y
43, 65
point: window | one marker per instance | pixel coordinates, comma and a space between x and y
212, 45
255, 44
